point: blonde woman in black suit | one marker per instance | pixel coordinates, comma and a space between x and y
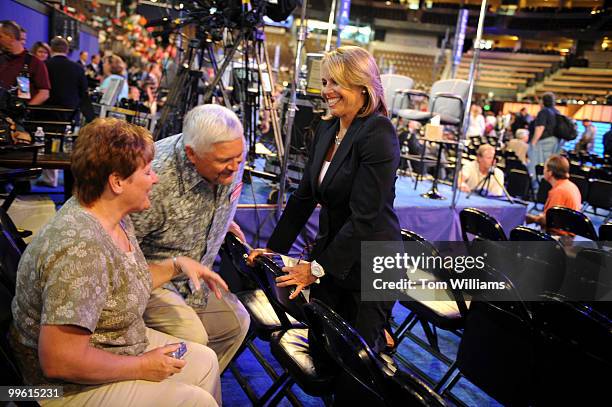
351, 173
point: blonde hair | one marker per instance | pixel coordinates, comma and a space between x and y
352, 66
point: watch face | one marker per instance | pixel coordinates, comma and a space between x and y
316, 271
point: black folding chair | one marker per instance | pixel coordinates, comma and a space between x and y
480, 224
542, 193
289, 345
540, 261
570, 221
446, 314
600, 196
496, 351
605, 233
572, 350
583, 185
519, 184
347, 348
246, 282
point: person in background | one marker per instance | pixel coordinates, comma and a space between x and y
519, 145
607, 142
41, 50
476, 126
20, 63
68, 83
563, 192
83, 59
521, 120
351, 174
114, 68
543, 142
192, 208
587, 140
83, 285
475, 171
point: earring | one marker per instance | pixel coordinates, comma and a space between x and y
363, 91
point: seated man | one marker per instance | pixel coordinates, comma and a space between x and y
519, 144
563, 192
473, 173
83, 285
192, 207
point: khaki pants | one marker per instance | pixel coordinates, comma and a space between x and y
222, 325
197, 384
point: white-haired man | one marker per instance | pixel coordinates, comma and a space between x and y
519, 144
192, 207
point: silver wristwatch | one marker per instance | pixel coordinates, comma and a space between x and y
316, 270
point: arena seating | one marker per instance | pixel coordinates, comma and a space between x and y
417, 66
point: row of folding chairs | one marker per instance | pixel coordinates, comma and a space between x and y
285, 324
548, 350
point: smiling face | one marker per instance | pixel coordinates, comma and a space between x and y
138, 186
343, 103
219, 165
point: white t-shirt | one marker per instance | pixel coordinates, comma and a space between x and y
471, 176
476, 126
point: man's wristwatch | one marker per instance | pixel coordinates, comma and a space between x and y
316, 270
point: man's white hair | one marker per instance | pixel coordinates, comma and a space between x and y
206, 125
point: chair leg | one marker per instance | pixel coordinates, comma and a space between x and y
278, 390
403, 328
432, 335
451, 370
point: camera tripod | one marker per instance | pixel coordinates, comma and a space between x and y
187, 90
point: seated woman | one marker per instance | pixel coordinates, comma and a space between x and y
83, 285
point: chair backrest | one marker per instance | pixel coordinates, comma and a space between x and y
600, 194
480, 224
571, 221
593, 280
605, 233
573, 348
279, 296
442, 273
9, 260
347, 348
496, 351
9, 227
519, 183
583, 185
540, 262
449, 106
234, 270
543, 188
9, 371
392, 83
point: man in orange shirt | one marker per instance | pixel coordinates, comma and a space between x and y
563, 192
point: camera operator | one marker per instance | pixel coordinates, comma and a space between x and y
20, 68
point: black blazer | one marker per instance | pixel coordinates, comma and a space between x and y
68, 85
356, 195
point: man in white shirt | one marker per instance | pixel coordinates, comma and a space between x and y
474, 172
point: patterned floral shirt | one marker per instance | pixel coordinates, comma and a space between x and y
73, 274
188, 216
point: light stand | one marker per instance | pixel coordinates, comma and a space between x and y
468, 101
302, 31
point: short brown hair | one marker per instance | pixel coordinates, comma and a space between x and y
558, 165
59, 45
354, 66
106, 146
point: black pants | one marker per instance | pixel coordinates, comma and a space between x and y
369, 318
